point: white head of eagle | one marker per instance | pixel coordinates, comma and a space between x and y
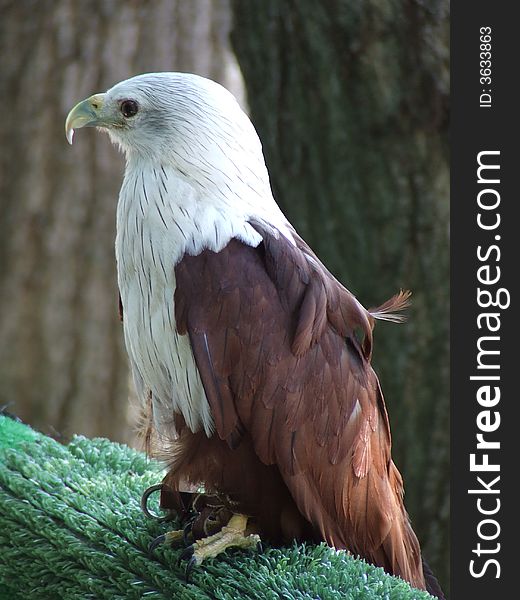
192, 127
254, 359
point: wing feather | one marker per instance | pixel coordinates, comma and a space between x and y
284, 351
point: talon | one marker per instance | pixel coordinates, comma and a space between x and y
169, 538
189, 568
156, 542
187, 531
144, 503
185, 554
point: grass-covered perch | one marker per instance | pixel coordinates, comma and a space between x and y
71, 527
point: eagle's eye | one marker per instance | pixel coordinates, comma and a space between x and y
129, 108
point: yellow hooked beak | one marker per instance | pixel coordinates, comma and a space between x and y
88, 113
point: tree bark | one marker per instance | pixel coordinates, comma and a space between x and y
63, 366
350, 100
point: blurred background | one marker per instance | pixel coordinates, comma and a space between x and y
350, 99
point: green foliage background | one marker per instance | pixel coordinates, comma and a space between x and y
71, 528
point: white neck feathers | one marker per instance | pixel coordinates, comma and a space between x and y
187, 216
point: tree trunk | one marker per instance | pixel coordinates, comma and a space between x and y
350, 101
62, 361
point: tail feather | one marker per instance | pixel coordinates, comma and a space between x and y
432, 585
390, 309
402, 553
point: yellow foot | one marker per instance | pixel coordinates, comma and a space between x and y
233, 535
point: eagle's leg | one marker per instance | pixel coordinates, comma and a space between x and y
232, 535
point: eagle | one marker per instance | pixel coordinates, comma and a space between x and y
253, 359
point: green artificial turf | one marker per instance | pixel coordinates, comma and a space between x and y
71, 527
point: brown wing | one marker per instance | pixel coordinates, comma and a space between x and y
284, 354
